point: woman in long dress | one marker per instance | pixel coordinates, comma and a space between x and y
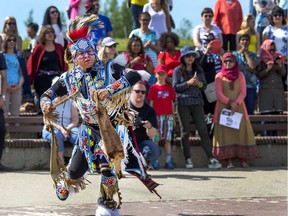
230, 143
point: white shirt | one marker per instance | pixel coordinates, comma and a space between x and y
158, 19
60, 35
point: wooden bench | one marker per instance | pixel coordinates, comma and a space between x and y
25, 131
260, 123
25, 149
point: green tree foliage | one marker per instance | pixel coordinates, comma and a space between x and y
30, 18
127, 21
63, 18
185, 30
121, 18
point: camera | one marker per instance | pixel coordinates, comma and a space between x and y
137, 121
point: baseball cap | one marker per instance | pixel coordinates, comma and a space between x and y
161, 68
108, 41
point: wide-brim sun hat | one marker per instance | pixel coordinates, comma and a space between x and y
108, 41
187, 50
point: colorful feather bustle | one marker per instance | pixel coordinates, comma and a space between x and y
83, 27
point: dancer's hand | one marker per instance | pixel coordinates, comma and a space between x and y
102, 94
47, 109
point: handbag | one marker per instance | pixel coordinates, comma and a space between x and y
210, 92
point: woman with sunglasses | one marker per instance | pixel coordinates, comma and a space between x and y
108, 50
278, 31
230, 143
52, 17
10, 28
14, 76
189, 82
207, 27
45, 62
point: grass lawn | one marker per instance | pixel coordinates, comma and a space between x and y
123, 43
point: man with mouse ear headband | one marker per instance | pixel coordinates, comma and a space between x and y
101, 98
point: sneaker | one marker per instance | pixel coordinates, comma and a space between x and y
169, 165
155, 165
214, 164
61, 192
189, 164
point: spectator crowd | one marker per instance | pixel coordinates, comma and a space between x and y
234, 61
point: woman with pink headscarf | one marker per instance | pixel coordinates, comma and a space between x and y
230, 143
270, 71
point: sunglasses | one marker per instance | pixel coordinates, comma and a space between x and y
138, 91
208, 16
191, 55
11, 40
112, 46
228, 61
11, 23
49, 32
278, 14
52, 12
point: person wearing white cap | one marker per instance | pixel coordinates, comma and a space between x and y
108, 50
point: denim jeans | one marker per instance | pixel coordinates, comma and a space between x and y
250, 100
136, 10
149, 150
73, 138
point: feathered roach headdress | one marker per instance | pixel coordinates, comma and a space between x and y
78, 36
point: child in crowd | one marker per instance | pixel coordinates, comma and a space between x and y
161, 96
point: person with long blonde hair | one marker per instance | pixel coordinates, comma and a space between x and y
10, 28
247, 27
108, 50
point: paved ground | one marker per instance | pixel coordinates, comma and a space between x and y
261, 191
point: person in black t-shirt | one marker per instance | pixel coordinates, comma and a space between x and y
145, 123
